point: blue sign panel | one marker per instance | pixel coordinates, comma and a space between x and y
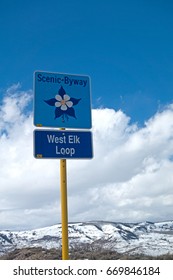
61, 100
62, 144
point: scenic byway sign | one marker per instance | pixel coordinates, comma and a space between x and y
62, 144
61, 100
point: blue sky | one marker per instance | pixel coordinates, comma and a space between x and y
126, 47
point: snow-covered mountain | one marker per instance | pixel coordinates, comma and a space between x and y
134, 238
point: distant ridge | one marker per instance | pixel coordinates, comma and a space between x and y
148, 238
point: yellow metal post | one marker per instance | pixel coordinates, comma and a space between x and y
64, 209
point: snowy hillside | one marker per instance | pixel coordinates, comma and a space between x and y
146, 238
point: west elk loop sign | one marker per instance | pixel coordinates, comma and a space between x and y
63, 144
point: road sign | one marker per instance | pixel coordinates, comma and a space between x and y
62, 144
61, 100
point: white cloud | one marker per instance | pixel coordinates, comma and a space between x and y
130, 177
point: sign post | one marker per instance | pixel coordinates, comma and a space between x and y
64, 209
62, 101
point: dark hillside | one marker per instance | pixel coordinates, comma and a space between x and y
54, 254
